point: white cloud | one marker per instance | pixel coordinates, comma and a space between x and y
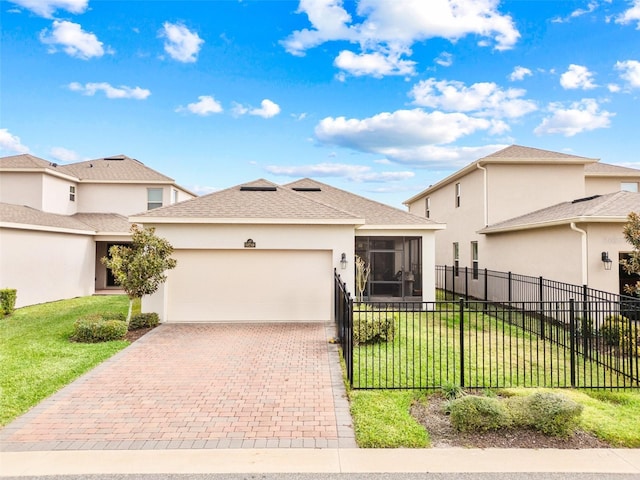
630, 72
390, 27
206, 105
46, 8
519, 73
356, 173
376, 64
445, 59
591, 7
63, 154
485, 98
578, 117
11, 143
180, 43
299, 116
578, 76
73, 40
267, 109
436, 156
122, 91
631, 15
613, 88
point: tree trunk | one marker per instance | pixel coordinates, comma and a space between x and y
130, 310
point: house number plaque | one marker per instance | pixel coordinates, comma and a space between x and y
249, 244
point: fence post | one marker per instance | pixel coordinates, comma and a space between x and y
466, 283
349, 359
486, 286
572, 340
541, 295
509, 288
461, 312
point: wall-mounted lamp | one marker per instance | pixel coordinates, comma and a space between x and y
607, 261
343, 261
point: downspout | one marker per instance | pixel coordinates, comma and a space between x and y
585, 271
486, 194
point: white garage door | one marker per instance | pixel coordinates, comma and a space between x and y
250, 285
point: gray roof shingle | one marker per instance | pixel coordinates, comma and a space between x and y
260, 199
519, 152
24, 160
606, 169
616, 206
89, 222
116, 168
373, 212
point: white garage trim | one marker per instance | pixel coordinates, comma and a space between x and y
250, 286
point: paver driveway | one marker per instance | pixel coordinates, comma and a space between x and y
200, 386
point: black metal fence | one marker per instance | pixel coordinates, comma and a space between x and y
485, 344
494, 286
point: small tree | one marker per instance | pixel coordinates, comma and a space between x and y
362, 275
139, 268
631, 265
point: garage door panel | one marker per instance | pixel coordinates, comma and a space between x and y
258, 285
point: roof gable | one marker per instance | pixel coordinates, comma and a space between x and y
519, 152
25, 160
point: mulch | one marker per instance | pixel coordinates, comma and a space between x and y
432, 416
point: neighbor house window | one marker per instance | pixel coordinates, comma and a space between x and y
474, 259
456, 258
154, 198
174, 196
72, 193
457, 195
427, 208
629, 187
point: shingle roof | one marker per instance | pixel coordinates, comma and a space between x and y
613, 207
373, 212
24, 160
116, 168
104, 222
260, 199
606, 169
519, 152
21, 214
89, 222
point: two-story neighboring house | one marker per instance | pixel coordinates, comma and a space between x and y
57, 221
534, 212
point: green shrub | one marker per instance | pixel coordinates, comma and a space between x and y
451, 391
372, 326
144, 320
617, 331
97, 327
7, 301
472, 413
550, 413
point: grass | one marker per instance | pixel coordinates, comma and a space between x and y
36, 355
425, 352
382, 418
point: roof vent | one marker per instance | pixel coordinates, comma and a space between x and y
257, 189
307, 189
585, 199
118, 157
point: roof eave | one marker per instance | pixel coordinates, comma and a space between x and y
555, 223
47, 171
45, 228
246, 221
425, 226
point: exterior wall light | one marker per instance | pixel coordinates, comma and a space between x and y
607, 261
343, 261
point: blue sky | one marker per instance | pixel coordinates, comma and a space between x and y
382, 98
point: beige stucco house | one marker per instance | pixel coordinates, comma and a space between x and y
57, 221
266, 252
534, 212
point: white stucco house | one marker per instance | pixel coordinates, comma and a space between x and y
535, 212
266, 252
57, 221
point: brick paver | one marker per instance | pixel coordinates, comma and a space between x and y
200, 386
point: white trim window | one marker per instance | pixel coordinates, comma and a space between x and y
629, 187
174, 196
154, 198
427, 207
474, 259
458, 194
72, 193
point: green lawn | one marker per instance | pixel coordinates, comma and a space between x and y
382, 419
425, 353
36, 355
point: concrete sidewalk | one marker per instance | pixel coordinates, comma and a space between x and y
351, 460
